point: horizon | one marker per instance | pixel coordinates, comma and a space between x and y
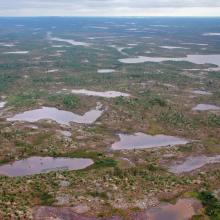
121, 8
113, 16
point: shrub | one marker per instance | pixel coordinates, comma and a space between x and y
211, 204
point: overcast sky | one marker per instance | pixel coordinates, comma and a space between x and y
109, 7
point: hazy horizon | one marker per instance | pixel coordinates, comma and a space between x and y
110, 8
102, 16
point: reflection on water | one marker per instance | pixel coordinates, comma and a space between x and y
2, 104
171, 47
184, 209
60, 116
206, 107
197, 59
52, 71
107, 94
7, 44
141, 140
211, 34
106, 71
35, 165
193, 163
64, 213
16, 52
69, 41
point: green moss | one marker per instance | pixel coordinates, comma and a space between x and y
46, 199
102, 195
210, 203
214, 120
7, 80
198, 217
68, 101
175, 118
84, 154
24, 99
106, 162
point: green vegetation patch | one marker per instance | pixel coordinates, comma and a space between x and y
211, 204
7, 80
146, 100
24, 99
67, 100
105, 162
100, 160
213, 120
176, 119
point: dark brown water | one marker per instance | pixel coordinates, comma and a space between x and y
184, 209
62, 213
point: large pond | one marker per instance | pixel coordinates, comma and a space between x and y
107, 94
60, 116
193, 163
69, 41
212, 34
206, 107
172, 47
197, 59
16, 52
141, 141
36, 165
7, 44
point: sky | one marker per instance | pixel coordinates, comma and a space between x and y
109, 7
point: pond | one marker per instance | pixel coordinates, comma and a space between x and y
172, 47
141, 141
197, 59
36, 165
106, 71
193, 163
16, 52
184, 209
212, 34
206, 107
69, 41
7, 44
64, 213
107, 94
52, 71
2, 104
60, 116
